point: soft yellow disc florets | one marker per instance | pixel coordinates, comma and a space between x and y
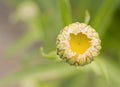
78, 44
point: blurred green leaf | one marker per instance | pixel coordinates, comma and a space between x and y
65, 11
46, 71
103, 16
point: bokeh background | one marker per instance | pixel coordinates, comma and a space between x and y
28, 31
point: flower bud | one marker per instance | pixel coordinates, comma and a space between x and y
78, 44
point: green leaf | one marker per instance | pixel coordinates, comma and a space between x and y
45, 72
65, 12
103, 17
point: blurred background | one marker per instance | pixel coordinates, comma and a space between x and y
28, 31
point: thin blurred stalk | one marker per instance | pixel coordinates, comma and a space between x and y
104, 70
113, 71
65, 11
35, 27
51, 23
21, 44
104, 15
45, 72
56, 70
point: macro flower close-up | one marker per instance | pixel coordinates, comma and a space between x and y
78, 44
59, 43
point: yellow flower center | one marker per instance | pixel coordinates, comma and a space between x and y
79, 43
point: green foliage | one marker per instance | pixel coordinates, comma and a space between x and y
44, 24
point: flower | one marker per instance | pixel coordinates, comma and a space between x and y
78, 44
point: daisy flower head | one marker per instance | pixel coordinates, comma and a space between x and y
78, 44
